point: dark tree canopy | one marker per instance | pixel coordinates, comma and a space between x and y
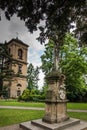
57, 14
5, 60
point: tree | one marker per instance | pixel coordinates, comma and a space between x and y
44, 89
36, 75
25, 95
57, 15
73, 64
5, 60
32, 77
47, 57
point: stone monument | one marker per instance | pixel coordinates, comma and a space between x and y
56, 102
55, 117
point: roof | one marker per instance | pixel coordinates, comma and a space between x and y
1, 44
17, 40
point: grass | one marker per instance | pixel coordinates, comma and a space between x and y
21, 104
78, 115
15, 116
81, 106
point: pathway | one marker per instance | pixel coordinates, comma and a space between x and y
37, 108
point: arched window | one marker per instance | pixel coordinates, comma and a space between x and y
20, 68
20, 54
19, 85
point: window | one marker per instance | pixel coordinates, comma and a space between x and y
20, 54
9, 51
19, 68
18, 92
19, 85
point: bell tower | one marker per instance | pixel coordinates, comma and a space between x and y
18, 50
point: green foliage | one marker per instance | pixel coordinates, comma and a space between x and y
74, 66
32, 77
44, 90
5, 59
36, 75
47, 57
31, 95
73, 63
57, 15
25, 94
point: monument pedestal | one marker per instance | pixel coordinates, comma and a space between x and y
55, 112
56, 102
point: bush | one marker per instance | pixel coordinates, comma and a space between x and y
31, 96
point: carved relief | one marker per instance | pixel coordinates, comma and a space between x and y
62, 89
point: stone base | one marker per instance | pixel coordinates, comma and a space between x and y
55, 111
71, 124
57, 120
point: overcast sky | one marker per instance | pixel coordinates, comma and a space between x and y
15, 27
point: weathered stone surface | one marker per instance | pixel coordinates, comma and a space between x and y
81, 126
29, 126
56, 102
55, 112
71, 124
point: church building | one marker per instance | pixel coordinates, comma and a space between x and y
18, 84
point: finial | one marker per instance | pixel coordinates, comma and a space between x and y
17, 35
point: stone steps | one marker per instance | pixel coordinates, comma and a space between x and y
29, 126
71, 124
55, 126
81, 126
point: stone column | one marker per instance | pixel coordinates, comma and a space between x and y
56, 102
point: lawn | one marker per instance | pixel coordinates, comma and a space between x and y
78, 115
81, 106
15, 116
21, 104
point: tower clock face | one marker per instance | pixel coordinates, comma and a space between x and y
62, 94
